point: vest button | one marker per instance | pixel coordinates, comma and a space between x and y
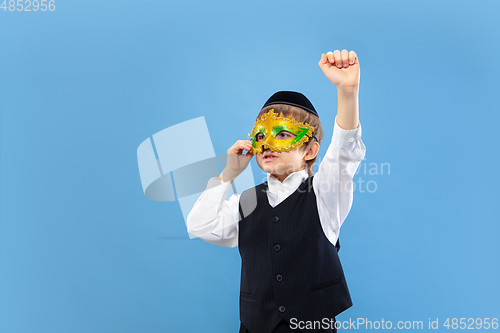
279, 277
281, 308
277, 247
275, 219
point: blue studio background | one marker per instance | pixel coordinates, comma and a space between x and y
83, 250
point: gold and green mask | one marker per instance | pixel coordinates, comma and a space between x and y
269, 132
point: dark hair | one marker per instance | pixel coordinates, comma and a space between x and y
305, 117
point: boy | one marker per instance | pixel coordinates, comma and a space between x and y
287, 228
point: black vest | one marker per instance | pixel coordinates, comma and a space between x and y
289, 269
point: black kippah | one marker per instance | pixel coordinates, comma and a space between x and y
292, 98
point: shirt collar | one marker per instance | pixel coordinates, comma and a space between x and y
290, 184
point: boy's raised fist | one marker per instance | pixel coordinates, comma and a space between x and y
342, 68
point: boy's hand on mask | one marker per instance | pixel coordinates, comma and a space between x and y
342, 68
236, 160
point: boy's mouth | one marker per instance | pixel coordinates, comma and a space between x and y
268, 156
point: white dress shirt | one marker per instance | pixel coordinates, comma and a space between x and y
216, 220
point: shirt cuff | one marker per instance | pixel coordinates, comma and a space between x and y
346, 139
217, 190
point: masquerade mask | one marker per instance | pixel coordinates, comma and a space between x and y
270, 132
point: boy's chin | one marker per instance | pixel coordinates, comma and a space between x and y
268, 168
273, 171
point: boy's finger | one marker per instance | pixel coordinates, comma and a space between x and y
331, 58
323, 60
338, 58
352, 57
324, 63
345, 58
246, 146
238, 147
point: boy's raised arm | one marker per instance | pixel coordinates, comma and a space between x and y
333, 181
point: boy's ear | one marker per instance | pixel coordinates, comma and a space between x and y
312, 151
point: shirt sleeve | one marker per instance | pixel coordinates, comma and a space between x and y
214, 219
333, 184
